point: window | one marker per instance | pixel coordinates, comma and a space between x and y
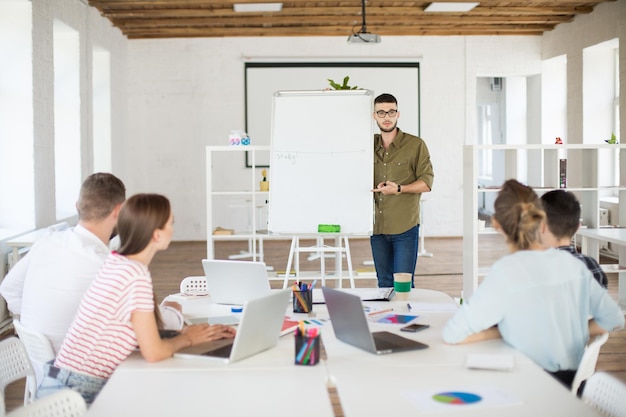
101, 72
17, 205
67, 150
485, 137
554, 100
600, 92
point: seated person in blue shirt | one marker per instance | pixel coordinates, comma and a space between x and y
562, 222
543, 302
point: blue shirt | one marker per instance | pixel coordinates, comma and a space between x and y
542, 302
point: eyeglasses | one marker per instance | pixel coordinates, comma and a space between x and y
390, 113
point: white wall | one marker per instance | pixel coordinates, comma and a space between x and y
172, 97
185, 94
608, 21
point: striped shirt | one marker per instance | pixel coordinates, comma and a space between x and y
102, 336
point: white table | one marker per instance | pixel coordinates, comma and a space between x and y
590, 245
209, 392
270, 384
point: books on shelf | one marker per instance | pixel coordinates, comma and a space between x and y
220, 231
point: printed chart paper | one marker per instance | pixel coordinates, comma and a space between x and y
461, 399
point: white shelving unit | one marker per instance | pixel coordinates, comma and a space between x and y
539, 164
251, 193
254, 197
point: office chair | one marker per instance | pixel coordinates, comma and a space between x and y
38, 347
587, 365
65, 403
15, 365
606, 394
194, 286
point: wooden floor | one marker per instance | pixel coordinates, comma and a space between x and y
442, 272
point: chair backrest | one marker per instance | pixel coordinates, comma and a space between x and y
37, 345
194, 286
587, 365
64, 403
15, 365
606, 394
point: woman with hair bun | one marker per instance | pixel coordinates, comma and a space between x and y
541, 302
117, 313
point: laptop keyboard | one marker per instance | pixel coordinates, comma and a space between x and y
382, 344
221, 352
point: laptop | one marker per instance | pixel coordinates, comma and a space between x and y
366, 294
350, 326
235, 282
259, 329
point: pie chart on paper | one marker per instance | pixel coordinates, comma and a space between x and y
457, 398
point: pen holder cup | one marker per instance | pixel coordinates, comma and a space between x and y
302, 301
307, 349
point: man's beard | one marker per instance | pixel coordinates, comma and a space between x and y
387, 130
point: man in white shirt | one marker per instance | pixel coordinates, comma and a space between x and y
46, 286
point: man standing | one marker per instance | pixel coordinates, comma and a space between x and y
402, 172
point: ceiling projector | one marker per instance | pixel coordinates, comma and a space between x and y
363, 37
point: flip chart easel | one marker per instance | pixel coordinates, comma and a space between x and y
321, 166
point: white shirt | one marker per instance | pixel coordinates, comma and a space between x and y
46, 286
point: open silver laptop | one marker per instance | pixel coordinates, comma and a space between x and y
350, 326
235, 282
258, 330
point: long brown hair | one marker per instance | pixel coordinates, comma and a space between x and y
139, 217
519, 212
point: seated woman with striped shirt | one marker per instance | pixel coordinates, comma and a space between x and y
118, 312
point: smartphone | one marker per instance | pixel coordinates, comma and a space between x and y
414, 327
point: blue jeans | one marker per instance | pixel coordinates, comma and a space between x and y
395, 253
55, 379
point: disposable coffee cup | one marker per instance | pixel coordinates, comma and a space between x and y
402, 285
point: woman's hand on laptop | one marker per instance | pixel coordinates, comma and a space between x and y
201, 333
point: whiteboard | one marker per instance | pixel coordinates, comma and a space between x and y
321, 161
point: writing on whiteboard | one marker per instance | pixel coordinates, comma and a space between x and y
286, 156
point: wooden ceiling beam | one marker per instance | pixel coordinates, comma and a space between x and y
328, 21
313, 31
208, 18
339, 11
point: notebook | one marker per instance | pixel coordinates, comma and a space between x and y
350, 326
235, 282
259, 329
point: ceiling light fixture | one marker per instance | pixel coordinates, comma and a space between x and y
257, 7
450, 7
363, 36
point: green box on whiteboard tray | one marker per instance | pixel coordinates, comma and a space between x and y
328, 228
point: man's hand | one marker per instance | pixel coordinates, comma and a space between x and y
387, 188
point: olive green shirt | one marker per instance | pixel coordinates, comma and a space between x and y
407, 160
